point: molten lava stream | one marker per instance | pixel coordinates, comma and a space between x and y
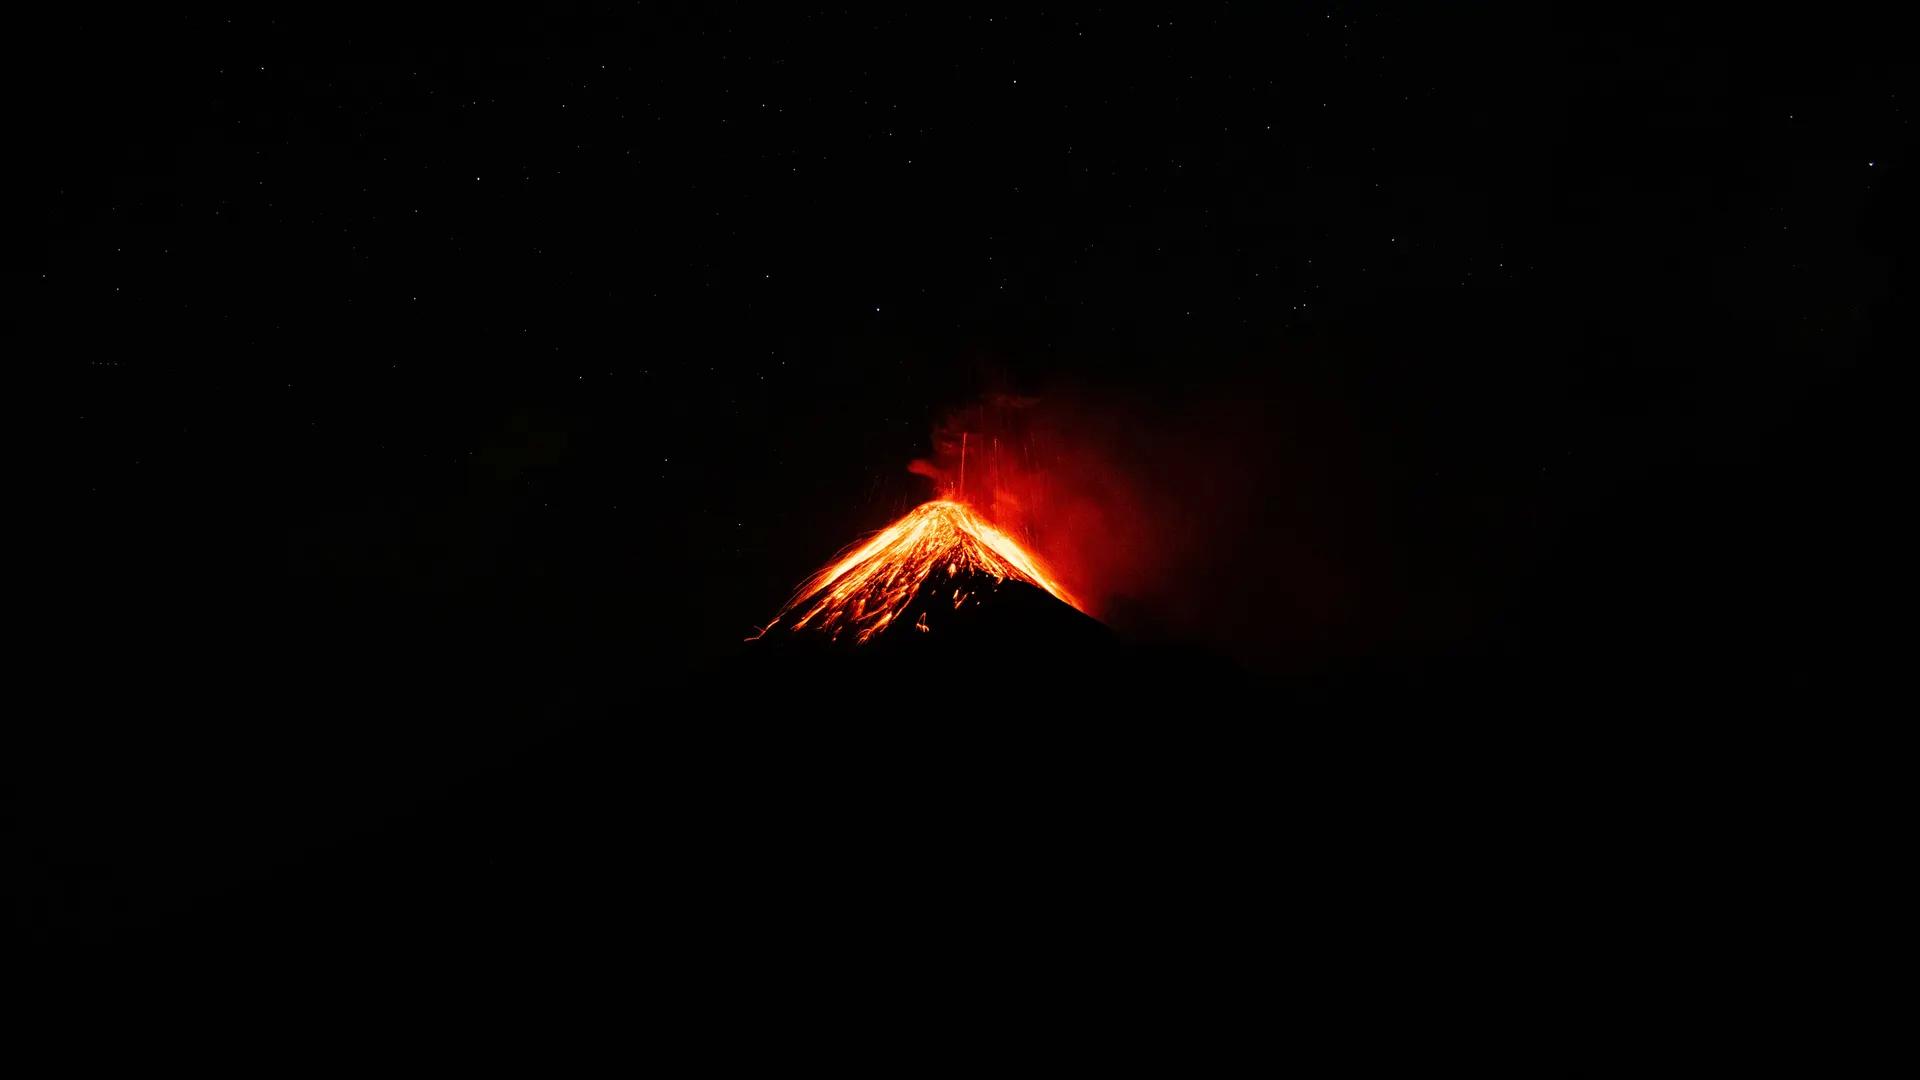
868, 589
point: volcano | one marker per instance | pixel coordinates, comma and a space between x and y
941, 573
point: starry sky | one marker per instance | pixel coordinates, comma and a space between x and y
557, 348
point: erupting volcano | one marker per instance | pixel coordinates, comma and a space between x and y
926, 569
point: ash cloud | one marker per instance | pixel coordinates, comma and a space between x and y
1230, 516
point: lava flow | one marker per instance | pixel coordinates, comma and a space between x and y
942, 551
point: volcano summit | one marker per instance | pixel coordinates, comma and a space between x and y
941, 568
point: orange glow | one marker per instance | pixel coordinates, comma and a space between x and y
866, 590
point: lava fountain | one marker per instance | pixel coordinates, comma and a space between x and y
942, 555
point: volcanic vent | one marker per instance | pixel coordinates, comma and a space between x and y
942, 569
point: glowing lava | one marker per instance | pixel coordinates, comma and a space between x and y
942, 549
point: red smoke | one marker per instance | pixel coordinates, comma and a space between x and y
1048, 473
1216, 519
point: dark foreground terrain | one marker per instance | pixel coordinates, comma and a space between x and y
808, 814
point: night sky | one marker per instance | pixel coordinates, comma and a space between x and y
435, 396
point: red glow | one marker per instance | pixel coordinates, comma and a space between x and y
1150, 509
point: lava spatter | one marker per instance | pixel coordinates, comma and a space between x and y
942, 549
